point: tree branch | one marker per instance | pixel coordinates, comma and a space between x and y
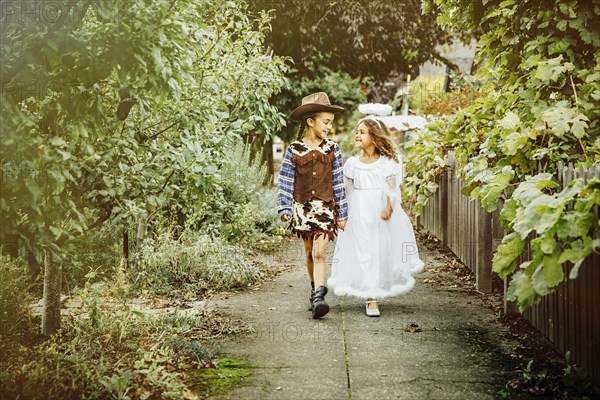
104, 215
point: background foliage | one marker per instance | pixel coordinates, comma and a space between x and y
164, 94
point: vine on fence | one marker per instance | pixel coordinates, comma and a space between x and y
424, 162
540, 70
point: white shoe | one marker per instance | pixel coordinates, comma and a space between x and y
372, 312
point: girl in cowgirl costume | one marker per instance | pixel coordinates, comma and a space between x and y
311, 190
377, 252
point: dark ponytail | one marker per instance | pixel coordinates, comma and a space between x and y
301, 130
304, 124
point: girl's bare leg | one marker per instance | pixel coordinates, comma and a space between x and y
319, 249
320, 306
310, 265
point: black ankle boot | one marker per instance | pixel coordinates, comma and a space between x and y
312, 293
320, 306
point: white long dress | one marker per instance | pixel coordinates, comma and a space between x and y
373, 257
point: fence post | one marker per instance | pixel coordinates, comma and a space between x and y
484, 256
444, 209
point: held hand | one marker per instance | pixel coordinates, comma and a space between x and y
386, 213
342, 224
285, 218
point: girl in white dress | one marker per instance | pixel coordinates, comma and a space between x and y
377, 252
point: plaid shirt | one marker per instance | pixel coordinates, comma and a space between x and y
285, 196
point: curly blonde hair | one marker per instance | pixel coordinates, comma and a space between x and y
381, 137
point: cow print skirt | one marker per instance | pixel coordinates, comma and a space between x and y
313, 218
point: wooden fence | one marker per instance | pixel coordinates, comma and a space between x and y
569, 317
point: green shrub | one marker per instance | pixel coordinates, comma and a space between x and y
168, 264
265, 202
14, 296
98, 252
242, 208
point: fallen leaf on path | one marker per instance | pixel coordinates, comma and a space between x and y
412, 328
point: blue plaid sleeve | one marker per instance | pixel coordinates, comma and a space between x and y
285, 181
339, 192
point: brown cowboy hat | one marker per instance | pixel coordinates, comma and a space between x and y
314, 102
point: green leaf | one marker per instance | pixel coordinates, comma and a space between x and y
34, 189
503, 261
527, 191
553, 271
545, 184
491, 193
545, 217
567, 227
510, 121
521, 288
558, 47
57, 141
65, 154
552, 69
538, 282
108, 181
579, 126
548, 245
508, 213
578, 250
56, 231
513, 142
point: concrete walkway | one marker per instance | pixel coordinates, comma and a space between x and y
460, 352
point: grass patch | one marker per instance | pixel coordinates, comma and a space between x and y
227, 374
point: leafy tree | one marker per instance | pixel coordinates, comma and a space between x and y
540, 65
381, 39
363, 38
115, 112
